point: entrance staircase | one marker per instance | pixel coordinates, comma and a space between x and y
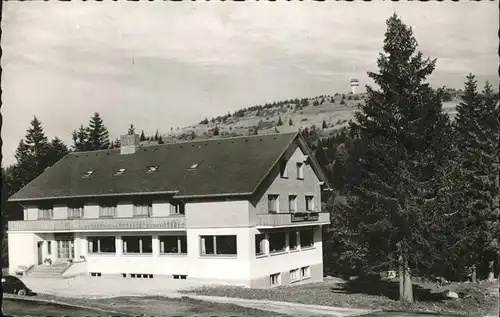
48, 271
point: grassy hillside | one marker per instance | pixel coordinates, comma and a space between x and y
284, 116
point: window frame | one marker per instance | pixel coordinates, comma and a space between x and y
302, 245
180, 245
141, 245
109, 205
292, 201
177, 208
45, 213
203, 251
307, 270
294, 233
300, 170
309, 205
275, 276
98, 246
297, 276
276, 203
261, 244
140, 205
283, 169
276, 233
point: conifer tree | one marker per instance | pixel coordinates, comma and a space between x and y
98, 134
403, 133
142, 137
324, 126
157, 135
216, 130
290, 122
81, 140
280, 121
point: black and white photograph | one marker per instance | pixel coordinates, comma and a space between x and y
250, 158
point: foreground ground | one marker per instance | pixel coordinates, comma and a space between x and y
481, 300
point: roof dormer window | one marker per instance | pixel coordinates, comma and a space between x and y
194, 166
88, 174
152, 169
120, 172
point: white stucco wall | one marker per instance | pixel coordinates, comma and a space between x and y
22, 249
218, 214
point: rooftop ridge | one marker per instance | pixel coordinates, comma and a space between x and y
192, 142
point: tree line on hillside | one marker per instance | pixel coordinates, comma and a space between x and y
413, 191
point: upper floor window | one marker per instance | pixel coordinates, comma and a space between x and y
137, 244
292, 203
46, 212
283, 169
107, 209
307, 238
119, 172
300, 170
173, 244
272, 203
177, 208
75, 210
292, 241
215, 245
309, 203
143, 209
152, 169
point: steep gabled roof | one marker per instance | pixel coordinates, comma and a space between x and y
226, 167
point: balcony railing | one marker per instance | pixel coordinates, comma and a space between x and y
176, 222
289, 219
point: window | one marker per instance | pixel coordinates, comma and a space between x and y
143, 209
173, 244
283, 169
75, 211
293, 240
137, 244
305, 272
277, 242
260, 247
275, 279
300, 170
307, 238
101, 244
49, 247
294, 275
215, 245
272, 203
177, 208
88, 174
292, 203
309, 203
45, 213
152, 169
107, 209
193, 166
119, 172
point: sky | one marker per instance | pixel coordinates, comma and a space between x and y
166, 64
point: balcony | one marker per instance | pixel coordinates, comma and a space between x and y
157, 223
293, 219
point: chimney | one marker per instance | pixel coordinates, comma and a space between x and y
129, 143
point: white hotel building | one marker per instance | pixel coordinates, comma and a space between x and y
243, 211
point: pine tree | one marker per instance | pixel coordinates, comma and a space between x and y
142, 137
157, 135
131, 130
404, 133
324, 126
477, 180
57, 149
160, 140
216, 130
98, 133
290, 122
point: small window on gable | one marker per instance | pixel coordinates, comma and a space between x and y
152, 169
300, 170
194, 166
120, 172
88, 174
283, 169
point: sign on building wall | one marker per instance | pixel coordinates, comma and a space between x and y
301, 217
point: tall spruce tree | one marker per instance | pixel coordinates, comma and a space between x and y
81, 139
476, 179
142, 137
403, 132
98, 133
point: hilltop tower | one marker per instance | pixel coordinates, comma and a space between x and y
354, 81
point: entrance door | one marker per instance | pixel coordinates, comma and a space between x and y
65, 246
39, 251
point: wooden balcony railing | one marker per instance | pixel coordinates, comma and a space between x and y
287, 219
173, 222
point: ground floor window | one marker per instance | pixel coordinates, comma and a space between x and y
275, 279
137, 244
49, 247
173, 244
260, 247
307, 238
294, 275
277, 242
218, 245
102, 244
305, 272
